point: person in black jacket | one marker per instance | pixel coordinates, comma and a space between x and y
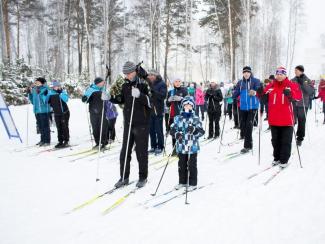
134, 95
57, 99
94, 96
214, 97
174, 102
159, 93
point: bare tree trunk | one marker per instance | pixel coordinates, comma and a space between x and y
6, 28
2, 35
18, 29
231, 48
167, 39
69, 36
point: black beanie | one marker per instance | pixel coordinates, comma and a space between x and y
300, 68
98, 80
247, 69
41, 79
271, 77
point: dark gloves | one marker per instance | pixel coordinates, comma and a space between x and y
84, 99
179, 136
59, 91
190, 129
45, 92
287, 92
141, 72
260, 91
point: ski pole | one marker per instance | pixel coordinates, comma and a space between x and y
190, 142
206, 119
223, 128
128, 140
294, 132
259, 137
167, 132
89, 127
101, 124
168, 159
27, 125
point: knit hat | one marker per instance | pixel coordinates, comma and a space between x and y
281, 71
153, 72
129, 67
98, 80
300, 68
41, 79
247, 69
56, 83
188, 100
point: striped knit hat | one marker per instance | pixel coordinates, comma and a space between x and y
281, 71
129, 67
188, 100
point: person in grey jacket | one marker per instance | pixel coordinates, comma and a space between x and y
301, 107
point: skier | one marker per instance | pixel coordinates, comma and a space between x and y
199, 102
229, 101
191, 89
57, 98
321, 93
111, 116
301, 107
134, 95
246, 89
94, 96
187, 129
214, 97
159, 92
281, 93
37, 94
174, 98
235, 107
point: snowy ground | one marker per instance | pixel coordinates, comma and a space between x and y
37, 189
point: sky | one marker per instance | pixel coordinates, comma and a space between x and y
309, 52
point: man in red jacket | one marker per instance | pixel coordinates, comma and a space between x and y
281, 93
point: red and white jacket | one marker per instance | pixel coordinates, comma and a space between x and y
280, 107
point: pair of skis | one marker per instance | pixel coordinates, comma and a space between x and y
272, 177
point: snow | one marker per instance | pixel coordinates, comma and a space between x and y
38, 189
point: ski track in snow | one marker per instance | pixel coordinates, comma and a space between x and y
37, 191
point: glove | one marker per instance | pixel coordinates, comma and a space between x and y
252, 93
135, 92
45, 92
105, 96
178, 98
260, 91
179, 137
171, 99
59, 91
287, 92
315, 97
141, 72
29, 90
190, 129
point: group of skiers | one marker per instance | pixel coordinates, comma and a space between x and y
145, 99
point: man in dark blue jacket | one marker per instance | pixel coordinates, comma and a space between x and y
159, 93
246, 89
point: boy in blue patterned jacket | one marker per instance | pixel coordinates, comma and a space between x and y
187, 129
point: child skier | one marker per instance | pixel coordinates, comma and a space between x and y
111, 116
57, 98
37, 95
187, 129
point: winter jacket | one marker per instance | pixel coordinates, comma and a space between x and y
93, 96
159, 93
242, 89
110, 110
191, 91
142, 104
199, 97
321, 90
175, 107
280, 106
228, 96
306, 90
181, 124
58, 101
214, 97
38, 97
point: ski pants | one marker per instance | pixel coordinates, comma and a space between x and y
281, 141
96, 123
43, 121
111, 129
246, 127
214, 127
183, 163
156, 131
199, 108
139, 136
301, 119
62, 125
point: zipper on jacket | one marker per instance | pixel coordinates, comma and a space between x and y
282, 98
274, 98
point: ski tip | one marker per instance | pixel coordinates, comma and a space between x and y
97, 180
153, 194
